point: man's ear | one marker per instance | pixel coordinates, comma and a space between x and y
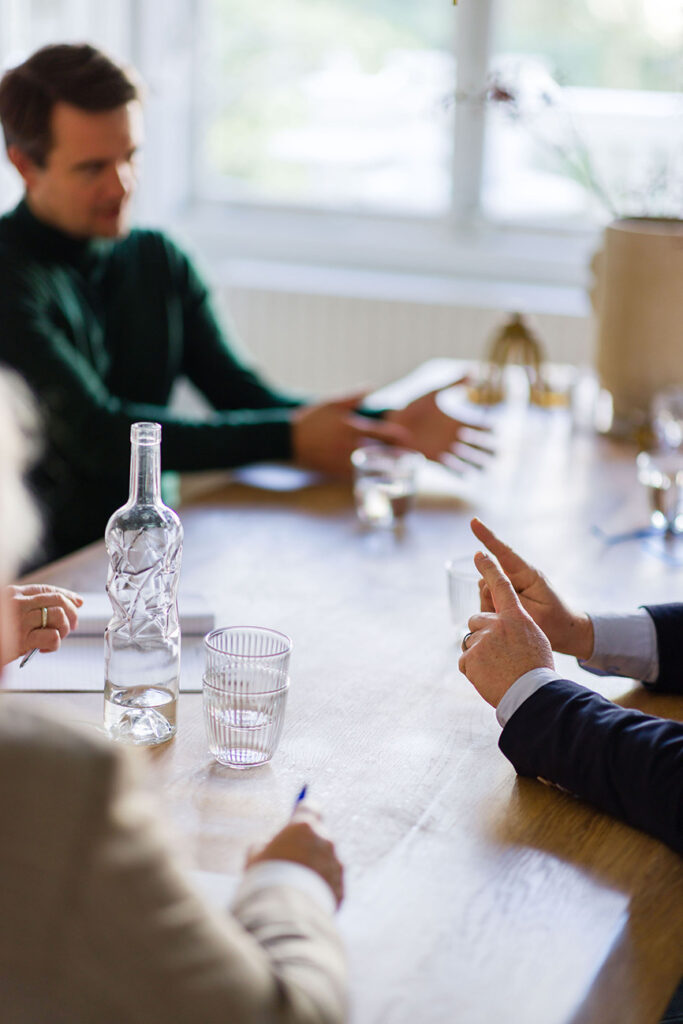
23, 163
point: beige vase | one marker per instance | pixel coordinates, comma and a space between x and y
638, 300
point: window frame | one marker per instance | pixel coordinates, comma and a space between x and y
462, 244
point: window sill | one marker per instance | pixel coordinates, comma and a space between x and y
482, 265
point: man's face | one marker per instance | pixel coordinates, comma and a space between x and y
90, 173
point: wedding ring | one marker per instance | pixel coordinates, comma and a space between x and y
43, 618
465, 639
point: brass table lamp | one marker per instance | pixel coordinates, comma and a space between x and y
515, 343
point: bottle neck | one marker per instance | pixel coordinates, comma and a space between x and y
145, 473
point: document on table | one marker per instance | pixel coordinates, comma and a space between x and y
79, 666
79, 663
196, 618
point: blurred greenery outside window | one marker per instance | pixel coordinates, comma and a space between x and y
350, 105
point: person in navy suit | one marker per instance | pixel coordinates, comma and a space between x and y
624, 762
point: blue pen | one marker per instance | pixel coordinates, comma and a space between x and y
301, 796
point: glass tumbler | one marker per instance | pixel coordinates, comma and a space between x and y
384, 484
667, 418
661, 473
245, 687
463, 591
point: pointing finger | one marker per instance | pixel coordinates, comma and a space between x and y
510, 561
485, 599
503, 593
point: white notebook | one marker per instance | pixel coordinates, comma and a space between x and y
79, 663
196, 618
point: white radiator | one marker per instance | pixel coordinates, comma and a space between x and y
306, 333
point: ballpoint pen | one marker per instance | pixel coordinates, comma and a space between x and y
27, 658
300, 798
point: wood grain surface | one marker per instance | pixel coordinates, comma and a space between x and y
473, 896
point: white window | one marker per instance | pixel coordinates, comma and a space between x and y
593, 126
329, 103
377, 133
349, 104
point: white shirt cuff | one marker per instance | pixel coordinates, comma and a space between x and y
521, 690
267, 873
625, 645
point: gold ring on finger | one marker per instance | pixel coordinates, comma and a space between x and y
43, 617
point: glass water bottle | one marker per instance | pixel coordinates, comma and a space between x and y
144, 542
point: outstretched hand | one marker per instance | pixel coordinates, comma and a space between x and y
569, 632
325, 434
505, 642
439, 436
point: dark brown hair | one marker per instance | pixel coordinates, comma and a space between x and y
63, 73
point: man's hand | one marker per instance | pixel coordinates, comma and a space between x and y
324, 435
569, 632
303, 842
436, 434
23, 617
505, 642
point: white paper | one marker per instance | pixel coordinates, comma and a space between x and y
196, 618
79, 666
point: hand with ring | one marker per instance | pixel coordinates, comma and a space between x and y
507, 643
569, 632
466, 637
37, 616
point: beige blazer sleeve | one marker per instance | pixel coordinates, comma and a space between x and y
128, 939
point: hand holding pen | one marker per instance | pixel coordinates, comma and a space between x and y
38, 617
303, 841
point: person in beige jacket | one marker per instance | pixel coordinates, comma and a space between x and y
98, 923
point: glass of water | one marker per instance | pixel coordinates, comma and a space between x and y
385, 483
463, 591
245, 687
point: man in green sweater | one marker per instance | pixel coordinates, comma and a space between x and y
102, 320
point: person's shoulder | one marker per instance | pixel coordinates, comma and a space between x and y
12, 252
152, 243
154, 253
58, 784
21, 274
34, 740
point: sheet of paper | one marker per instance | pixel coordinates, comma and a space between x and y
196, 618
79, 666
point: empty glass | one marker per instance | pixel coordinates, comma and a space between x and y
385, 483
662, 474
245, 687
463, 591
667, 418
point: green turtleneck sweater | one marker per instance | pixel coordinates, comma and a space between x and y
101, 330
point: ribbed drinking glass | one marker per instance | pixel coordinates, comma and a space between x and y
245, 687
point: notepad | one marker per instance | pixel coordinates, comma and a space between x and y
79, 664
78, 667
196, 618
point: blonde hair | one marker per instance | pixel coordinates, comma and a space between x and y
19, 521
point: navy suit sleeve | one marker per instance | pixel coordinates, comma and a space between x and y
668, 620
626, 763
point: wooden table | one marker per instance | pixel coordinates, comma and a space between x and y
473, 895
